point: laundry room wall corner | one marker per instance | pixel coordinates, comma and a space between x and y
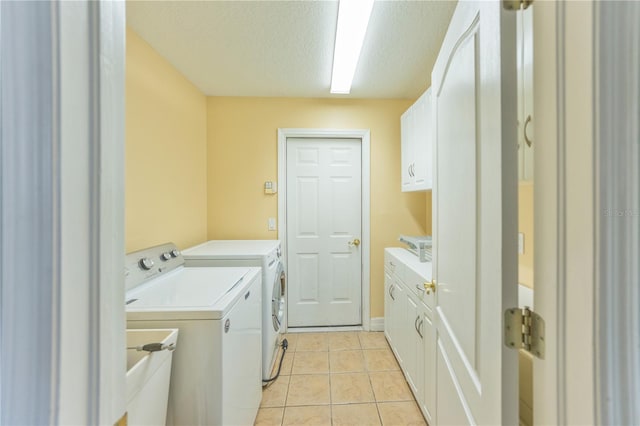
242, 154
166, 152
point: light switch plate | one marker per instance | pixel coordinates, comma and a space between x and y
520, 243
272, 224
270, 187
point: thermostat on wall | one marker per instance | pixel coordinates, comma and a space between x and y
270, 187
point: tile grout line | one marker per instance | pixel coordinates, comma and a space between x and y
286, 396
366, 371
330, 396
329, 368
375, 398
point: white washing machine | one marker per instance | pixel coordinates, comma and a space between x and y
266, 254
216, 373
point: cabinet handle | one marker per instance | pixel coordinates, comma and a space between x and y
417, 326
526, 124
391, 292
420, 329
419, 287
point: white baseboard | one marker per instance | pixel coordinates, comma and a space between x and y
332, 329
376, 324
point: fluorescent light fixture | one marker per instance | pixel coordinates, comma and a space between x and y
353, 19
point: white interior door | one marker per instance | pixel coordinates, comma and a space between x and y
475, 215
324, 204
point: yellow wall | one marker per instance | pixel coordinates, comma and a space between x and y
525, 277
242, 154
166, 152
428, 214
525, 225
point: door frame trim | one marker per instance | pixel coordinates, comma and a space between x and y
365, 139
617, 208
579, 256
62, 206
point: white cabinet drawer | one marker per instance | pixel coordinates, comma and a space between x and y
406, 266
393, 265
415, 283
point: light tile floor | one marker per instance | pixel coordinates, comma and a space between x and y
339, 378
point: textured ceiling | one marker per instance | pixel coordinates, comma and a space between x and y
285, 48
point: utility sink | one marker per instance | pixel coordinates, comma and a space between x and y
148, 376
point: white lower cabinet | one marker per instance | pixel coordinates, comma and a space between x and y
409, 327
398, 314
427, 397
412, 320
388, 328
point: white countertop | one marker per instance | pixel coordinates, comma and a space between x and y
412, 261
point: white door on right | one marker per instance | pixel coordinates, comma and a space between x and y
475, 215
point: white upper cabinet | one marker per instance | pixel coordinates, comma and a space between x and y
525, 94
416, 135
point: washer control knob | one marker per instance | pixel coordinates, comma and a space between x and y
146, 263
165, 256
174, 253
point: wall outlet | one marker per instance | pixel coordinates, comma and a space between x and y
272, 224
520, 243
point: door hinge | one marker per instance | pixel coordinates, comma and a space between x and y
516, 4
524, 329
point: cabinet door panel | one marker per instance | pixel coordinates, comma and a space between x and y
388, 307
405, 155
525, 94
520, 90
422, 147
410, 357
428, 396
398, 314
416, 127
527, 72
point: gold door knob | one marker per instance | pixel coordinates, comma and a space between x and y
430, 286
355, 242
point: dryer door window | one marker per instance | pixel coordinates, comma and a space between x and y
277, 298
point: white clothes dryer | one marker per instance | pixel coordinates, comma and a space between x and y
266, 254
216, 373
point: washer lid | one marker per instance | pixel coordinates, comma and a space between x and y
183, 293
231, 249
